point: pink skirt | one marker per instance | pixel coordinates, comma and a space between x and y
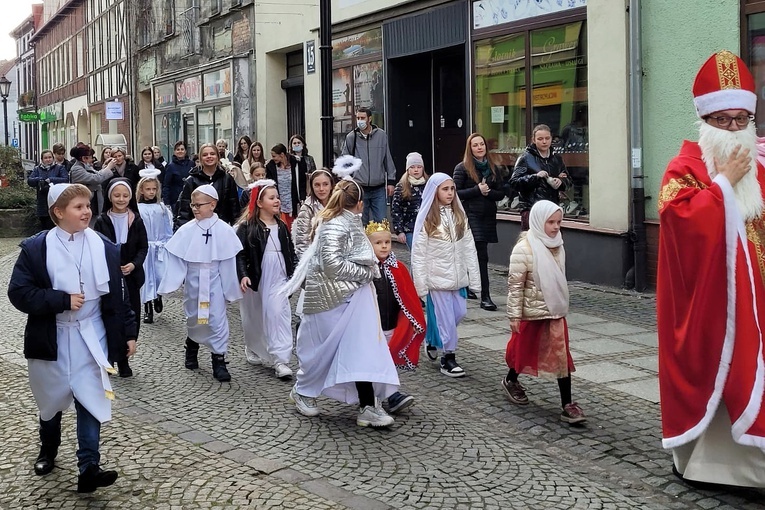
540, 347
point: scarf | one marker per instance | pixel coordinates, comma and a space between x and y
120, 169
416, 182
483, 167
549, 273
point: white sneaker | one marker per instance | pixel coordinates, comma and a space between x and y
371, 416
282, 371
305, 405
252, 358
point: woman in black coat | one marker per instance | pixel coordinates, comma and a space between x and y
539, 174
479, 187
281, 161
175, 175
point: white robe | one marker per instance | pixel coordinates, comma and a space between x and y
208, 267
81, 368
266, 315
715, 458
341, 346
159, 229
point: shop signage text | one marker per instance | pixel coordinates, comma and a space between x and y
29, 116
189, 90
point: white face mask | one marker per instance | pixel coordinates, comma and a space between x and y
362, 124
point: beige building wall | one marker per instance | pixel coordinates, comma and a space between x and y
277, 34
608, 76
343, 10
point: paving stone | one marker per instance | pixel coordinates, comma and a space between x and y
499, 455
606, 372
604, 346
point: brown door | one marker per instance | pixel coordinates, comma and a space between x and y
450, 122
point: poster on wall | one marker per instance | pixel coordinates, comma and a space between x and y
368, 89
489, 13
342, 105
363, 44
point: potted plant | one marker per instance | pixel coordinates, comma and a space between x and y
17, 199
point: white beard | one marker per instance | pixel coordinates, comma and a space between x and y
719, 143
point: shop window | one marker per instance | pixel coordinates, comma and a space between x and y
552, 79
357, 81
167, 132
214, 123
756, 45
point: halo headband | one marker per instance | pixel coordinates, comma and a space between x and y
345, 167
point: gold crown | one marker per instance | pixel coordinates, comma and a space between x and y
373, 227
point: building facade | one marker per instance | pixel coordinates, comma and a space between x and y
26, 113
109, 28
194, 73
499, 68
60, 46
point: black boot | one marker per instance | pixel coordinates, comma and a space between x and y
158, 306
192, 349
50, 439
471, 294
124, 368
450, 367
219, 368
94, 477
486, 303
148, 313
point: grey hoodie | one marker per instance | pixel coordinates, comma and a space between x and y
377, 164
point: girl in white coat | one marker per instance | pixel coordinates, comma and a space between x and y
444, 266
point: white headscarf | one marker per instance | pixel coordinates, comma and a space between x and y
428, 195
549, 272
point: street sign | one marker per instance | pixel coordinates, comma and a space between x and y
15, 143
29, 116
310, 57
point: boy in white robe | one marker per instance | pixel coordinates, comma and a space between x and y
69, 283
203, 254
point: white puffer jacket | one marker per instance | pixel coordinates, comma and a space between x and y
441, 263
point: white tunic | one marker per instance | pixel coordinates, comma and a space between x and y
266, 316
159, 229
203, 254
715, 458
80, 370
344, 345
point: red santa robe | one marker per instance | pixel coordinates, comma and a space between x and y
409, 332
710, 309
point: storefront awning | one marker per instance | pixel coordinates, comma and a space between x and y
112, 140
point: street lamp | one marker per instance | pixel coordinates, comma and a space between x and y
5, 89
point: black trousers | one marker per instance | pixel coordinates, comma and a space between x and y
483, 265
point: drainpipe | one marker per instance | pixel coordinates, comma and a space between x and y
638, 233
325, 59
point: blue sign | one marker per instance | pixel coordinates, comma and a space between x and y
15, 142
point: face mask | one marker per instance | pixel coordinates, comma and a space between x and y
297, 148
362, 124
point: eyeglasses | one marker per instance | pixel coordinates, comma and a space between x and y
724, 121
197, 206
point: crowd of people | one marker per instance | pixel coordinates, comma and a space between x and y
235, 227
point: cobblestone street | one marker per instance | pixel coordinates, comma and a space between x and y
180, 439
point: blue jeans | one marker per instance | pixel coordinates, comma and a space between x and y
409, 239
88, 438
375, 204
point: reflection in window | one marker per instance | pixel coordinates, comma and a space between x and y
756, 38
558, 85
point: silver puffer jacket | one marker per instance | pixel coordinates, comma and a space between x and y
344, 262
